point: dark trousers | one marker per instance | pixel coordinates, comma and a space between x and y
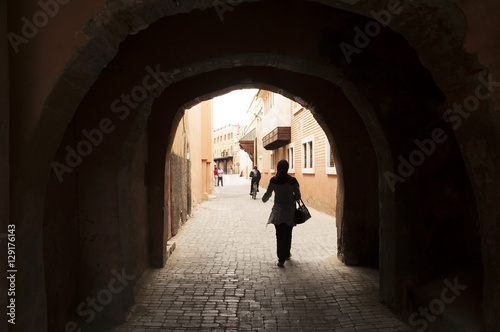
283, 241
251, 185
220, 181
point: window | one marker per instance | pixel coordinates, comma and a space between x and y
308, 155
272, 160
330, 162
290, 158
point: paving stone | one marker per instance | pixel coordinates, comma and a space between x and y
222, 276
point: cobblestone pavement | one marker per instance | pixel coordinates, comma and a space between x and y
223, 276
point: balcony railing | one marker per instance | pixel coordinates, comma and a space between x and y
278, 137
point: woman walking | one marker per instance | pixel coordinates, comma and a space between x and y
286, 192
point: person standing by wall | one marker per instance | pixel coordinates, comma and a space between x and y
220, 174
216, 176
286, 192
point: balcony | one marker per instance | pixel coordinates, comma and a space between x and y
280, 136
247, 143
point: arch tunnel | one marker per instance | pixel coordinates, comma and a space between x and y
417, 182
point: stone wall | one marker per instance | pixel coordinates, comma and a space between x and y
180, 189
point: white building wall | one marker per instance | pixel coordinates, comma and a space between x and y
276, 112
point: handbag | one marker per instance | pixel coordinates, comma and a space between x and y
301, 212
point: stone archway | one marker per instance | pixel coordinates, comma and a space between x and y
375, 109
159, 129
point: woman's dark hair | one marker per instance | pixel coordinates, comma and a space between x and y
282, 167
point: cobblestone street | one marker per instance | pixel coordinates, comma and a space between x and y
222, 276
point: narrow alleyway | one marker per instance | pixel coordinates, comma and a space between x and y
223, 276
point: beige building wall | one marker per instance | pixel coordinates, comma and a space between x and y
206, 121
319, 185
192, 141
195, 153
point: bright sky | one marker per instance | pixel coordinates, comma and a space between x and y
232, 107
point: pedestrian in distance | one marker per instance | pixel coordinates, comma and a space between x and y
255, 175
216, 176
220, 174
286, 192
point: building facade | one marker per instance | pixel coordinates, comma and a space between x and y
280, 128
226, 147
